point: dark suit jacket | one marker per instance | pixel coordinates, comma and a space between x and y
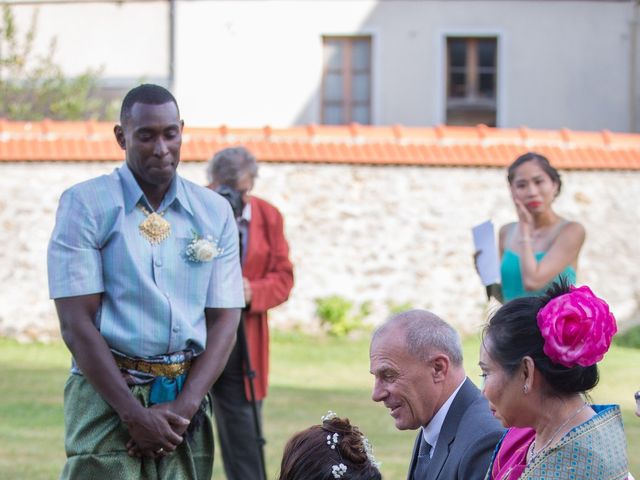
467, 439
270, 274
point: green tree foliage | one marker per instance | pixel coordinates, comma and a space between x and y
33, 86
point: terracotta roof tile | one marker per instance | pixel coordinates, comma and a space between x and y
375, 145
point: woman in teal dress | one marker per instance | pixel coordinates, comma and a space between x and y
541, 246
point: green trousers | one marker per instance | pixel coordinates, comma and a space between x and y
95, 441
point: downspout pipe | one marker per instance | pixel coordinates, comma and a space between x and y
633, 69
172, 45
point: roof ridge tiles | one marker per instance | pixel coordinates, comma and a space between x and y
480, 145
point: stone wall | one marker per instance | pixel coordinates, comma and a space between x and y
398, 235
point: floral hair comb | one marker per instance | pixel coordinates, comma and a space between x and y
577, 328
332, 440
338, 470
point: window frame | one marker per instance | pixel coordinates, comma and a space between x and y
348, 104
441, 63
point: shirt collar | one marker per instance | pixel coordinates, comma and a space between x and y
133, 193
246, 213
180, 194
431, 432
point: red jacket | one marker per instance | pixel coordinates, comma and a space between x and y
270, 274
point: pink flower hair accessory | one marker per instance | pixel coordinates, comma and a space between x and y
577, 328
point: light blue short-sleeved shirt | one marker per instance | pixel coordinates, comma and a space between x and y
153, 296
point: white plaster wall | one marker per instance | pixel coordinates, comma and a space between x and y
367, 233
572, 69
561, 64
128, 39
256, 62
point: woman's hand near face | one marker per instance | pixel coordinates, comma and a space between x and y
525, 219
563, 251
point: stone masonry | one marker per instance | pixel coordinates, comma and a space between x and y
388, 235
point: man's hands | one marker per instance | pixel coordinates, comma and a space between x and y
156, 432
154, 429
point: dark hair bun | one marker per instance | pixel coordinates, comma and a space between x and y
313, 453
353, 447
351, 443
567, 380
513, 334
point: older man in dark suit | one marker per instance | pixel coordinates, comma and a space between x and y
416, 359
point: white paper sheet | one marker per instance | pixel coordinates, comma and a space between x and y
488, 263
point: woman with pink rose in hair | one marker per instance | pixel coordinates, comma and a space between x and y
539, 358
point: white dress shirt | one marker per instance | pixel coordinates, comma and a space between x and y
431, 431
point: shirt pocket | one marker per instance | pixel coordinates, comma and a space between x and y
192, 277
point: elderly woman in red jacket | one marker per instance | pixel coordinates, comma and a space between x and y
268, 279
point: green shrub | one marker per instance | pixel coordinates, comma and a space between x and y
337, 316
629, 338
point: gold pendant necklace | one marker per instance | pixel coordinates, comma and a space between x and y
154, 228
531, 452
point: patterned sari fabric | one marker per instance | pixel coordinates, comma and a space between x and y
594, 450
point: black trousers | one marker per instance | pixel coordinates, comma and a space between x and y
234, 421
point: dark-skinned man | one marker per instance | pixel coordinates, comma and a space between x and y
144, 270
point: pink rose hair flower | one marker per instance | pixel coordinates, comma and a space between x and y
577, 328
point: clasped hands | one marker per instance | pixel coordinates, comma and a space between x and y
157, 431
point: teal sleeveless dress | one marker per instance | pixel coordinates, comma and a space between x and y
512, 286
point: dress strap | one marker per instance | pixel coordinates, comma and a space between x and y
511, 236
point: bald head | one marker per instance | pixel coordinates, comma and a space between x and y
425, 334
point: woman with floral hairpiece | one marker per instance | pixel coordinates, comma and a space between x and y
541, 247
539, 358
333, 449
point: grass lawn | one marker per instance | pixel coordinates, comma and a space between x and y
309, 377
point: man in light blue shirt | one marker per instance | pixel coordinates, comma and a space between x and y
144, 269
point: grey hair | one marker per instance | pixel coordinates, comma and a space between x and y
228, 165
425, 334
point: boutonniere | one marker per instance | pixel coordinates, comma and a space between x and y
202, 249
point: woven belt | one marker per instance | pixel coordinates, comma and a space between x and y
169, 370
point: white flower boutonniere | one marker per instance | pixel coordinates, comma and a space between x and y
202, 249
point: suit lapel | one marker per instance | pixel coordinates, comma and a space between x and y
463, 399
414, 455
